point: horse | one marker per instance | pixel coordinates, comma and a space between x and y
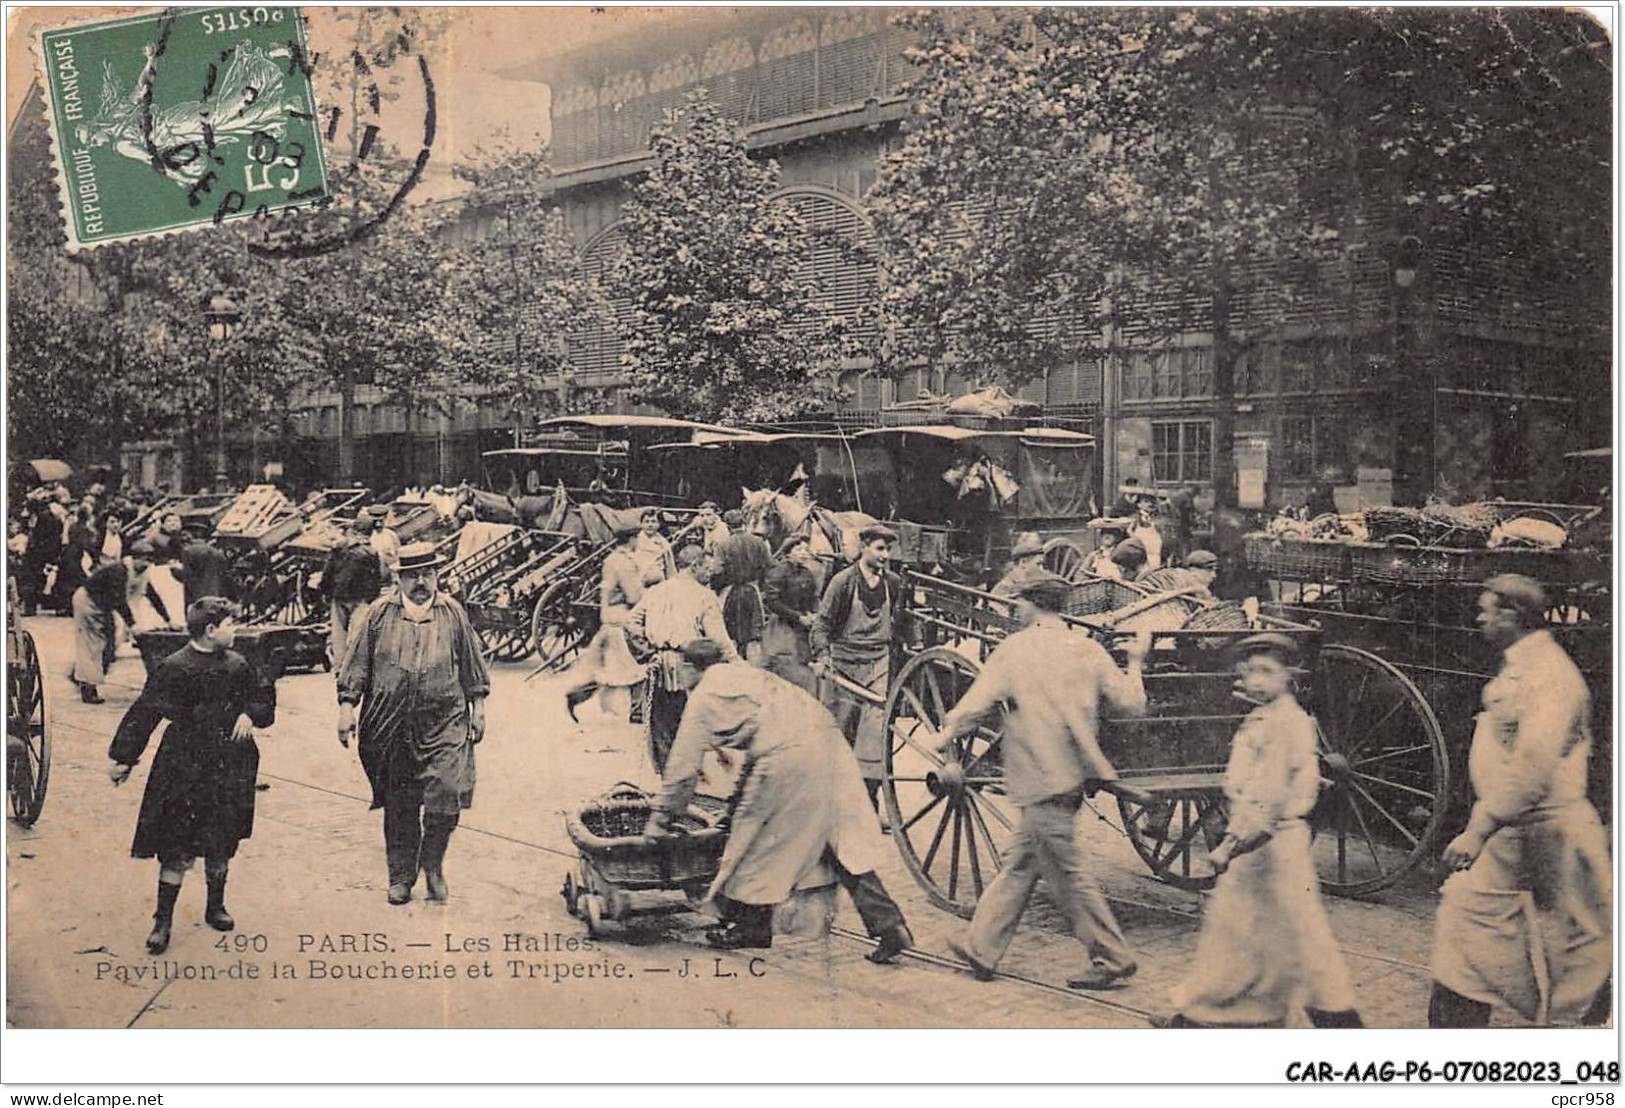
775, 516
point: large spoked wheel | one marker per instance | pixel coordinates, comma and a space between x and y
556, 628
1064, 557
28, 745
1174, 833
503, 643
1383, 754
947, 812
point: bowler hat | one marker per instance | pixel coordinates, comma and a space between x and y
1026, 543
418, 555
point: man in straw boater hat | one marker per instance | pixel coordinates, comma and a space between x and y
1026, 564
1267, 954
852, 637
1051, 681
414, 668
1528, 920
199, 800
799, 822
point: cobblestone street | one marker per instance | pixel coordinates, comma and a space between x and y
311, 882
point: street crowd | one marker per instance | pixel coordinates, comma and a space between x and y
718, 643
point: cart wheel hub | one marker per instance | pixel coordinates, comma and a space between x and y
1337, 767
948, 780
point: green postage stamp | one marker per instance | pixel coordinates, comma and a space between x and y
180, 118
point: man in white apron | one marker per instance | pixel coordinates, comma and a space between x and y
1527, 923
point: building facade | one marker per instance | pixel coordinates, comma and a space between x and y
1505, 367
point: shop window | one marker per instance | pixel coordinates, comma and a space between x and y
1181, 451
1185, 371
1311, 445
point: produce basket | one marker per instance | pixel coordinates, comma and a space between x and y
1095, 596
609, 834
1297, 559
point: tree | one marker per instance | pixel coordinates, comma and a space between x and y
519, 290
1076, 176
723, 322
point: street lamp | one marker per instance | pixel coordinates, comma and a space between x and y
222, 316
1416, 427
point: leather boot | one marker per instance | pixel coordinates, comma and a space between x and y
158, 940
215, 914
436, 837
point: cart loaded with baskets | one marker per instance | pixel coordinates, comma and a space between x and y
1403, 584
624, 873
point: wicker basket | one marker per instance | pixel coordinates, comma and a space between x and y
609, 834
1218, 617
1094, 596
1295, 559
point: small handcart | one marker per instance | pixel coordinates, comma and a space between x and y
624, 873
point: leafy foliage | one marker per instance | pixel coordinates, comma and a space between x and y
723, 322
1071, 176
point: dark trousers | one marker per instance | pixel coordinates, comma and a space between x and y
875, 906
413, 838
1448, 1008
665, 713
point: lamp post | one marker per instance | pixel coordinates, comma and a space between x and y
222, 316
1414, 448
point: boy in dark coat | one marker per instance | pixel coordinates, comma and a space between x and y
200, 793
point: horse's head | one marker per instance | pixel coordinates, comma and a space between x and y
766, 515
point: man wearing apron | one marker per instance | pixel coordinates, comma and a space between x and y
1528, 921
852, 639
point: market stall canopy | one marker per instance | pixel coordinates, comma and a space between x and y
49, 469
1041, 436
713, 439
630, 422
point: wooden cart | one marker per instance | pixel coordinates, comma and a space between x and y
949, 815
1415, 607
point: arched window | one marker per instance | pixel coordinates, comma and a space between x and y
839, 265
596, 355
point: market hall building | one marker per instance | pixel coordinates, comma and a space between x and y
1512, 369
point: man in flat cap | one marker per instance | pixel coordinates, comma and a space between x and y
1026, 563
414, 668
1267, 947
1194, 577
1129, 558
1533, 846
852, 637
1050, 681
